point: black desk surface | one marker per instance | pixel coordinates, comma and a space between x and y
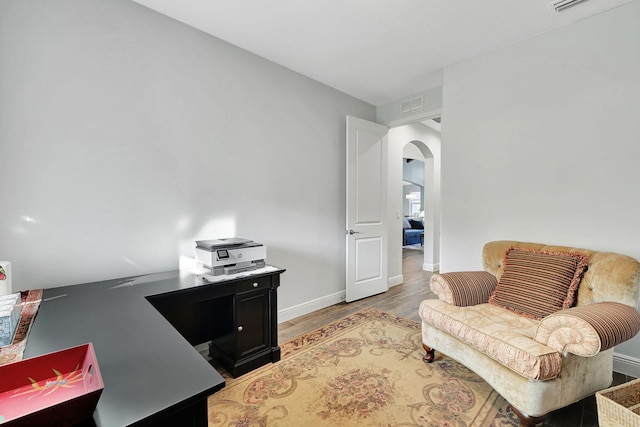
146, 365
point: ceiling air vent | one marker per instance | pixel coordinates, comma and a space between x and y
562, 5
412, 105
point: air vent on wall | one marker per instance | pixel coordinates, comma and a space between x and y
559, 6
412, 105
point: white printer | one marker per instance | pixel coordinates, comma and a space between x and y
230, 256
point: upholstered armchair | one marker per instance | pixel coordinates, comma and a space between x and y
539, 324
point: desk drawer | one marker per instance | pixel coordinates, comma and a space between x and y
254, 284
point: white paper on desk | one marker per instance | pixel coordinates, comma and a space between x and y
5, 277
223, 277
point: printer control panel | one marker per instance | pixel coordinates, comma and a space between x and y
222, 254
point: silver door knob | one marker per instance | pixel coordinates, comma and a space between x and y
353, 232
240, 328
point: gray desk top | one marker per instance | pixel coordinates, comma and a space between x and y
146, 364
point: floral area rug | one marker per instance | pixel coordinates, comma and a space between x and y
363, 370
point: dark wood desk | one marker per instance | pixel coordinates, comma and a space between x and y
143, 329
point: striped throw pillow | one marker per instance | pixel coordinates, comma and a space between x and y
537, 283
464, 288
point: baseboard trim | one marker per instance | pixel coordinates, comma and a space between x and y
396, 280
310, 306
324, 302
431, 267
627, 365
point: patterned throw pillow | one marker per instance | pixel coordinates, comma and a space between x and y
537, 283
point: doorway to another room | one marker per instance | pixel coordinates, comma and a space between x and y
413, 200
422, 193
415, 149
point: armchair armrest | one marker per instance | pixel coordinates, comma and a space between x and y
589, 329
463, 288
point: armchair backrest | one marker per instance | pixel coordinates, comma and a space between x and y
609, 277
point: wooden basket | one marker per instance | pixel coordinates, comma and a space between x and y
619, 406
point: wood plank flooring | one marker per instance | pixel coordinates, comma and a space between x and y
402, 300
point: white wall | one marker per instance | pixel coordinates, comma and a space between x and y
540, 143
125, 136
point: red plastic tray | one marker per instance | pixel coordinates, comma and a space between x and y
55, 389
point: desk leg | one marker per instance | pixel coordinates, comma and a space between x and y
275, 354
273, 310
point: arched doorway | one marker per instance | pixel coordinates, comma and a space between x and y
424, 142
429, 200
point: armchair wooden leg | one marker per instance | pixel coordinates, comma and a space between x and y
526, 420
429, 355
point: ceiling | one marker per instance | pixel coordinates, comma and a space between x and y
375, 50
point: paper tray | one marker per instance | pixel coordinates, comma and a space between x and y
55, 389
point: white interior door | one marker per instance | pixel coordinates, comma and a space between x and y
366, 209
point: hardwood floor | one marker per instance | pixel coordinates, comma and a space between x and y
403, 300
